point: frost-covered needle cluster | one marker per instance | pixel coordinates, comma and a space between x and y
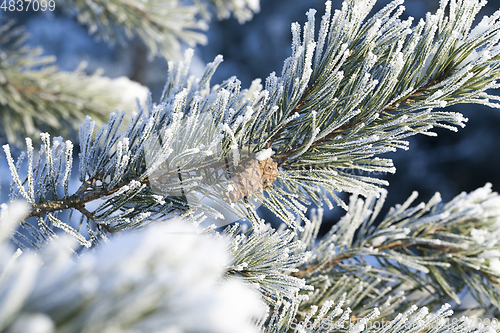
352, 91
163, 279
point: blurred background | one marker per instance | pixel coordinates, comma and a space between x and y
450, 163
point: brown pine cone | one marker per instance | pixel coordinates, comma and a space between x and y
269, 172
251, 177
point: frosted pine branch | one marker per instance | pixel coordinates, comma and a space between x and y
354, 90
267, 258
446, 245
369, 87
332, 318
35, 96
352, 93
243, 10
133, 283
163, 25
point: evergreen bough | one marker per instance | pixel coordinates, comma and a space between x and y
350, 92
36, 96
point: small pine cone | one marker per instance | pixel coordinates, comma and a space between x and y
269, 172
251, 177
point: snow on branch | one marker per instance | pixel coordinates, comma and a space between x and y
165, 277
436, 245
36, 96
364, 85
243, 10
332, 318
163, 25
355, 91
267, 258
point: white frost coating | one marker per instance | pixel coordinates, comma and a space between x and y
33, 323
14, 174
378, 240
493, 257
134, 184
381, 239
490, 329
10, 214
495, 265
234, 145
337, 312
236, 154
490, 254
239, 267
67, 172
482, 27
159, 266
359, 326
30, 150
125, 90
479, 235
159, 199
264, 154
